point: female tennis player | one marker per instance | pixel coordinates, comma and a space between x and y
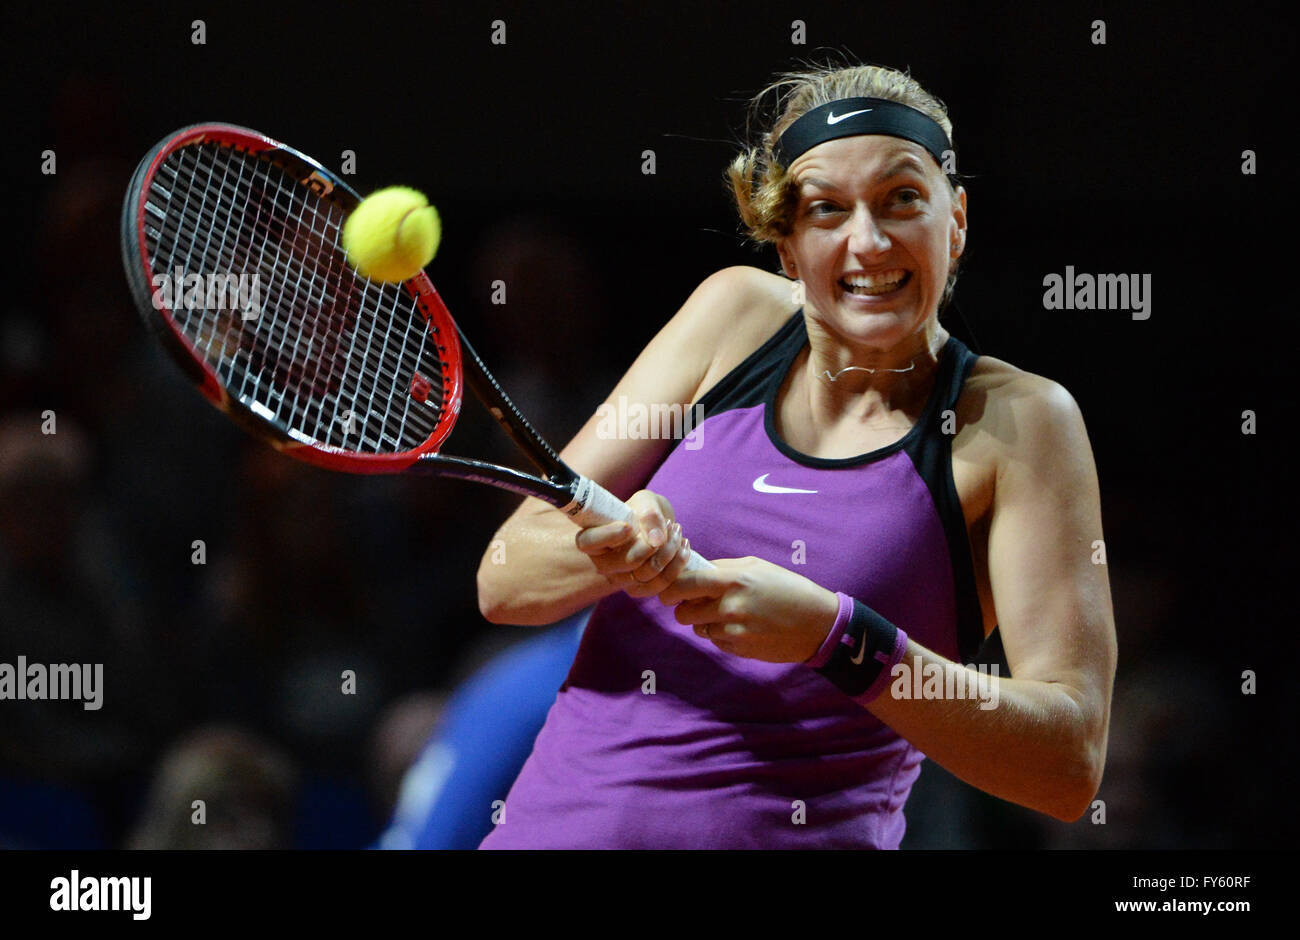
876, 500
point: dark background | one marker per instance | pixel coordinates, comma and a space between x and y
1123, 157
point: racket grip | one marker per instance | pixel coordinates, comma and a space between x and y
594, 505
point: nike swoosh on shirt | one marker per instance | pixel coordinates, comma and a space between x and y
762, 486
834, 118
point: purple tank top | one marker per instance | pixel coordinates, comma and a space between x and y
734, 753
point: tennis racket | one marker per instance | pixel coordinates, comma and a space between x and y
231, 243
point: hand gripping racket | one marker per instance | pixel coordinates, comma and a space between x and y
231, 243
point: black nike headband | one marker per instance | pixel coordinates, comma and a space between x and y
849, 117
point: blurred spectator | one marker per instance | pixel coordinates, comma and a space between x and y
396, 742
65, 601
246, 785
551, 319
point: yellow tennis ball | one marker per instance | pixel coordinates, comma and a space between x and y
392, 234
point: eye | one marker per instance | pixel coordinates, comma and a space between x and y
907, 197
823, 208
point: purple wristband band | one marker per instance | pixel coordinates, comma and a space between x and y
823, 654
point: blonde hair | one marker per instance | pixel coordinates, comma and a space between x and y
763, 189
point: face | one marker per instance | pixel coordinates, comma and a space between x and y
876, 228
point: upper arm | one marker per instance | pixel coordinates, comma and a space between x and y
1045, 557
729, 308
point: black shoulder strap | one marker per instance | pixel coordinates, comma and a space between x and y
746, 385
931, 453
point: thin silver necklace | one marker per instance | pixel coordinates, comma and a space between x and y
910, 366
827, 372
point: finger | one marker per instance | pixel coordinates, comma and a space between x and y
726, 645
673, 571
648, 589
691, 613
650, 519
601, 538
703, 582
651, 528
664, 579
674, 550
716, 634
623, 580
657, 585
656, 563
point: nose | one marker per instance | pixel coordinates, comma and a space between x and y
866, 238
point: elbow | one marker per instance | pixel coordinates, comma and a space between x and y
492, 601
489, 609
1080, 762
1078, 787
1073, 803
504, 602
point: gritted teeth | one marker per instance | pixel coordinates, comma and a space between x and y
881, 283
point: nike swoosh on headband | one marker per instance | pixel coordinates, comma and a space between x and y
866, 115
832, 118
762, 486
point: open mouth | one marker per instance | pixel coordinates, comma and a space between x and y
875, 285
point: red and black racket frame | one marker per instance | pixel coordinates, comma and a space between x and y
558, 483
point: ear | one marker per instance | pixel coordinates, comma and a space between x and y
957, 229
787, 259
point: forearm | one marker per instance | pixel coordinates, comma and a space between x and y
533, 574
1029, 741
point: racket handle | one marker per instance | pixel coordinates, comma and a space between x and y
594, 505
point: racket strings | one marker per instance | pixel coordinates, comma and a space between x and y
275, 211
268, 216
328, 354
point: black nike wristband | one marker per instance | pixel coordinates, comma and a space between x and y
860, 651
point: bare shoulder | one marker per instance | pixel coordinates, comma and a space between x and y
1017, 417
739, 304
733, 312
726, 317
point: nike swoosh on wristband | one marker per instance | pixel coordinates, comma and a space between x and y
762, 486
833, 118
862, 652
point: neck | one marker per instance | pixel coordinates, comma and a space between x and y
866, 380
